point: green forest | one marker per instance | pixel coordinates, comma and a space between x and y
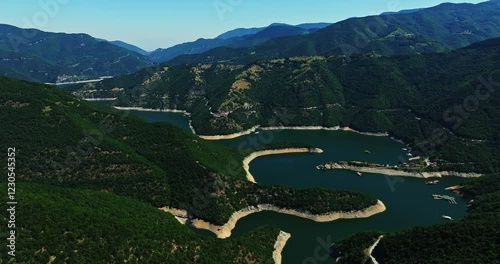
444, 105
69, 151
58, 57
92, 182
440, 28
74, 225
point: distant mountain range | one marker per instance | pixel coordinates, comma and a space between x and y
90, 192
238, 38
35, 55
59, 57
444, 27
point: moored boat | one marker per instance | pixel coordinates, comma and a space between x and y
447, 217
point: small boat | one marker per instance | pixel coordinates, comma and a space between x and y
405, 149
437, 197
432, 182
367, 152
256, 133
359, 173
447, 217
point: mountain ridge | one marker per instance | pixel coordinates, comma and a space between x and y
440, 28
234, 38
126, 45
36, 55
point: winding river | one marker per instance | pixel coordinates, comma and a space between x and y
408, 200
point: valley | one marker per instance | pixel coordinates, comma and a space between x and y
299, 171
225, 136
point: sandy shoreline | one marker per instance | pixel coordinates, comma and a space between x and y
279, 245
99, 99
160, 110
153, 110
80, 82
336, 128
179, 214
230, 136
394, 172
254, 129
254, 155
225, 230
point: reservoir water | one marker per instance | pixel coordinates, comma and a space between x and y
408, 200
177, 119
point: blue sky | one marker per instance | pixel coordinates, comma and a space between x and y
151, 24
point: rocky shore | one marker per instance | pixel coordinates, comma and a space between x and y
279, 245
230, 136
336, 128
225, 230
153, 110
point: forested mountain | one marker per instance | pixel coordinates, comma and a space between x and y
238, 38
90, 179
126, 45
129, 47
474, 239
414, 97
40, 56
82, 167
444, 27
240, 32
83, 226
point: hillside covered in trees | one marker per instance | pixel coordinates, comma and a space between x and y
443, 104
69, 151
35, 55
441, 28
86, 226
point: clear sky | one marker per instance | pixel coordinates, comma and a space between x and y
151, 24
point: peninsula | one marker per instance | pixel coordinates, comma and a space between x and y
367, 167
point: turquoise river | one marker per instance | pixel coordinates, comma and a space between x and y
408, 200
